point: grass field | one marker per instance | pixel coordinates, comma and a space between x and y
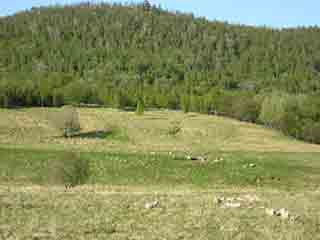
95, 185
89, 213
296, 171
127, 132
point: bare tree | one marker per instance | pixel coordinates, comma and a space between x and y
67, 121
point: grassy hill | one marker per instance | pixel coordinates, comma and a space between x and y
156, 146
167, 174
120, 55
155, 131
97, 183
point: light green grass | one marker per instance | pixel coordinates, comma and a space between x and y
272, 170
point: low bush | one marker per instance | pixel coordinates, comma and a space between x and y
273, 109
311, 131
70, 169
174, 128
245, 108
116, 132
44, 167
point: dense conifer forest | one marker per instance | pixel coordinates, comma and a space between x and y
121, 55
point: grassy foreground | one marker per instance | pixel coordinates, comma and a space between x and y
36, 213
111, 205
120, 162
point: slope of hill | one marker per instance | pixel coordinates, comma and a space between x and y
159, 131
126, 163
153, 149
117, 55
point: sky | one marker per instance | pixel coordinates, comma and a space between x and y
271, 13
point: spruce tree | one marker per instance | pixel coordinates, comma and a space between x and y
185, 103
140, 107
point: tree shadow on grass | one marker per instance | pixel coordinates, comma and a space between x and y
98, 134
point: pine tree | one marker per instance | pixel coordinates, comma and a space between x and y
140, 107
185, 103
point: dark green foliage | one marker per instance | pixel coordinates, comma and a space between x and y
246, 108
311, 131
112, 54
273, 109
291, 121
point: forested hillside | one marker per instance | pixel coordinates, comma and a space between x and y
118, 55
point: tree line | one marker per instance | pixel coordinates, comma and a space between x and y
128, 55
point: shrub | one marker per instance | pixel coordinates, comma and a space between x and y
175, 128
284, 112
241, 105
116, 132
76, 171
4, 101
71, 170
67, 121
273, 109
245, 108
222, 102
311, 131
310, 108
291, 121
